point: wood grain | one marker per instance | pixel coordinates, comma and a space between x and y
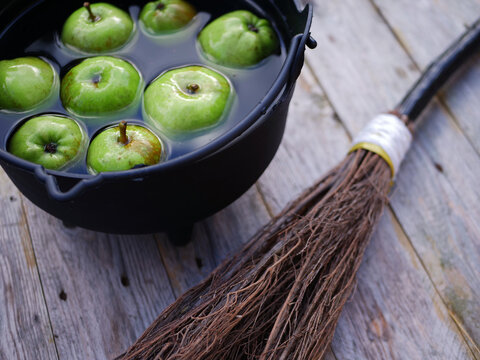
25, 331
462, 100
441, 22
442, 188
102, 290
395, 313
454, 230
314, 142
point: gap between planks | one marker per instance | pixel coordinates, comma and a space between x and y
471, 344
24, 212
439, 97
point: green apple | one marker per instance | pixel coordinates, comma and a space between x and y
49, 140
97, 28
25, 83
238, 39
123, 148
165, 16
187, 99
99, 86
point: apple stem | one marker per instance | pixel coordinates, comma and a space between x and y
161, 6
123, 138
96, 80
253, 28
193, 88
93, 18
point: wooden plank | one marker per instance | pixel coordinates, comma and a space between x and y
390, 310
441, 22
437, 23
455, 268
25, 331
102, 290
436, 186
314, 142
445, 236
463, 99
359, 63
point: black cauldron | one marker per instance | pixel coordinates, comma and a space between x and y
173, 195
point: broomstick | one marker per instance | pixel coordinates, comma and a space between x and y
280, 296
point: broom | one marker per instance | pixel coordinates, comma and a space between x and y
280, 297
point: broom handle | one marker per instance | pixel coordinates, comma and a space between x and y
439, 72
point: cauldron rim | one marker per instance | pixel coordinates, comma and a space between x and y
287, 76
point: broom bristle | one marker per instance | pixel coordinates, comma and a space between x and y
281, 296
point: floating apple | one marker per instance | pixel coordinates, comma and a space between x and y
187, 99
97, 28
238, 39
25, 83
100, 85
49, 140
164, 16
123, 148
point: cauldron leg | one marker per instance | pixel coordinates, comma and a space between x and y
180, 236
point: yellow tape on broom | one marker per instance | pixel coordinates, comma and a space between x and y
387, 136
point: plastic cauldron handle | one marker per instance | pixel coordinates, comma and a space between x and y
306, 40
56, 193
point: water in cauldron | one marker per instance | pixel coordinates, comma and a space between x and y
36, 33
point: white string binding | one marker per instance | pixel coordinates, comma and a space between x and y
389, 133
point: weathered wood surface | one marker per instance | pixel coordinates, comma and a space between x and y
25, 331
437, 198
101, 290
457, 231
75, 294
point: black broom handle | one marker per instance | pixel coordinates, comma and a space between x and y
439, 72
